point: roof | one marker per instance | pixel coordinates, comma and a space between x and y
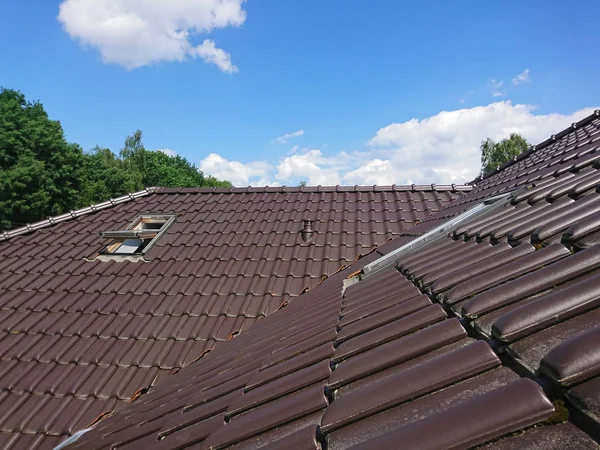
80, 337
486, 337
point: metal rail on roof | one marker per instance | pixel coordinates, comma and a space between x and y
129, 234
437, 233
4, 235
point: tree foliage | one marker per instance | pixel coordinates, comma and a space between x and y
494, 154
106, 176
176, 171
41, 174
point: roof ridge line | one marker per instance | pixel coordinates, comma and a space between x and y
583, 122
319, 188
30, 227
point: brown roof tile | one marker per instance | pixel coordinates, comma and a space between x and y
78, 329
385, 360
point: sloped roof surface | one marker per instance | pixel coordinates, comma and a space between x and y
79, 337
478, 339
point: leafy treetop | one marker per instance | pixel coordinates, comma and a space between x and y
494, 154
41, 174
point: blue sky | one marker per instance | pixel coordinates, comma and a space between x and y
371, 92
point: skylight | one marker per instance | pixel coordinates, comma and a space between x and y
139, 237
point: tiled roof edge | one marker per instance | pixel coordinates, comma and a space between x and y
5, 235
287, 189
555, 137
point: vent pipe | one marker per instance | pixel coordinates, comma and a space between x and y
307, 230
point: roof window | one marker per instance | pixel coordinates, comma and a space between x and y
139, 237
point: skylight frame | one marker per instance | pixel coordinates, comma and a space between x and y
136, 231
437, 233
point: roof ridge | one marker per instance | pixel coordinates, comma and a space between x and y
338, 188
583, 122
28, 228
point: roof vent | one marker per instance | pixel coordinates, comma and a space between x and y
307, 230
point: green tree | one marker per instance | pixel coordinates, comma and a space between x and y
302, 183
105, 176
171, 171
134, 156
176, 171
155, 168
40, 172
494, 154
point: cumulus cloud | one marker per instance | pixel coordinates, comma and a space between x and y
521, 78
445, 148
498, 94
168, 152
376, 171
283, 139
311, 165
210, 53
134, 33
441, 149
240, 174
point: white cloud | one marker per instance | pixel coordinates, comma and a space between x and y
135, 33
376, 171
283, 139
312, 166
168, 152
521, 78
445, 148
440, 149
240, 174
496, 84
210, 53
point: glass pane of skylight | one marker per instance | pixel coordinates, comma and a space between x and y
129, 246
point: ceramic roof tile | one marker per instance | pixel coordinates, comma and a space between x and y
575, 359
585, 397
556, 437
518, 278
515, 406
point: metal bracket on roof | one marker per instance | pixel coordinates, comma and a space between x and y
73, 214
437, 233
72, 439
349, 282
129, 234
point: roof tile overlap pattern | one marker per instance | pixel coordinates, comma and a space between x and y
470, 341
80, 337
